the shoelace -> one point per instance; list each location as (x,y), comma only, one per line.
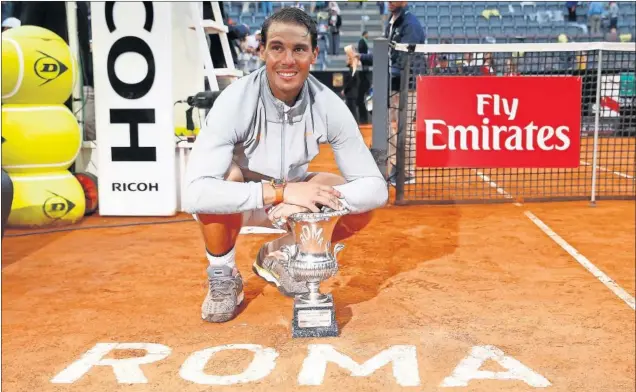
(222,286)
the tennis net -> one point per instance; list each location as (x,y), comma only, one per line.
(607,105)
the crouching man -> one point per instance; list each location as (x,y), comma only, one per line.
(248,165)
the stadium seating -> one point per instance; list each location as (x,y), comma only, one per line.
(472,22)
(482,21)
(508,21)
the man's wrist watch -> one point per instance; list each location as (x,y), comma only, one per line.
(279,188)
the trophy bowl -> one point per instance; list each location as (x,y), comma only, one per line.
(312,260)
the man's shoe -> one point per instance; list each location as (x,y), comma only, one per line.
(274,268)
(225,294)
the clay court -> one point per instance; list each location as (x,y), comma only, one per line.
(443,289)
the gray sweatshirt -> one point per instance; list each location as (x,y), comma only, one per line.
(249,126)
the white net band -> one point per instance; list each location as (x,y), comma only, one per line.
(518,47)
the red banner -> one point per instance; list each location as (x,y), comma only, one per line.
(498,122)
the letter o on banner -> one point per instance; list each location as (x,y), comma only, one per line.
(131,45)
(262,364)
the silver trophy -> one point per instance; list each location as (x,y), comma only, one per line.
(311,260)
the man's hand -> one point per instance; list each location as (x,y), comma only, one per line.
(311,195)
(279,214)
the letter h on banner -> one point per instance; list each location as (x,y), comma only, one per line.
(133,108)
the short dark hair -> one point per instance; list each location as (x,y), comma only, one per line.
(365,32)
(291,15)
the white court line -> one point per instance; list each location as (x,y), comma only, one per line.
(601,168)
(606,280)
(493,184)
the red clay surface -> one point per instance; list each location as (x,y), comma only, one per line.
(443,279)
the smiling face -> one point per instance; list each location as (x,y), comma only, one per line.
(288,56)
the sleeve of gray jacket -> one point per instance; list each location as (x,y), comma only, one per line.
(206,191)
(366,188)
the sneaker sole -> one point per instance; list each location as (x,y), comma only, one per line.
(270,278)
(265,274)
(223,317)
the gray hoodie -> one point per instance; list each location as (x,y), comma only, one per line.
(262,135)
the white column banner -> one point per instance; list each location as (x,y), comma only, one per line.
(132,64)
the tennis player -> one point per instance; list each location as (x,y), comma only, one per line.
(248,165)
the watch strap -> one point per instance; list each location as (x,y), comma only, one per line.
(279,188)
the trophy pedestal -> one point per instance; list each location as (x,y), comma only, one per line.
(314,320)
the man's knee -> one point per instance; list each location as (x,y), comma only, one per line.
(233,174)
(348,225)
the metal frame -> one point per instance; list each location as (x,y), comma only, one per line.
(402,127)
(380,113)
(597,118)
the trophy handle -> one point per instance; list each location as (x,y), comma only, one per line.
(337,249)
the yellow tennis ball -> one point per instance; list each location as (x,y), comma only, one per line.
(39,138)
(46,199)
(37,67)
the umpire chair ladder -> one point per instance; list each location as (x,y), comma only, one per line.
(216,25)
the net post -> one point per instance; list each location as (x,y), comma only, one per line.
(405,75)
(597,116)
(380,113)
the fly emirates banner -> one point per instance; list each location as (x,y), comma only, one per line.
(498,122)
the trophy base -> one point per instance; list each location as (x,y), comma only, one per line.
(314,320)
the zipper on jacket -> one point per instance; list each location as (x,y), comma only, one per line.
(282,149)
